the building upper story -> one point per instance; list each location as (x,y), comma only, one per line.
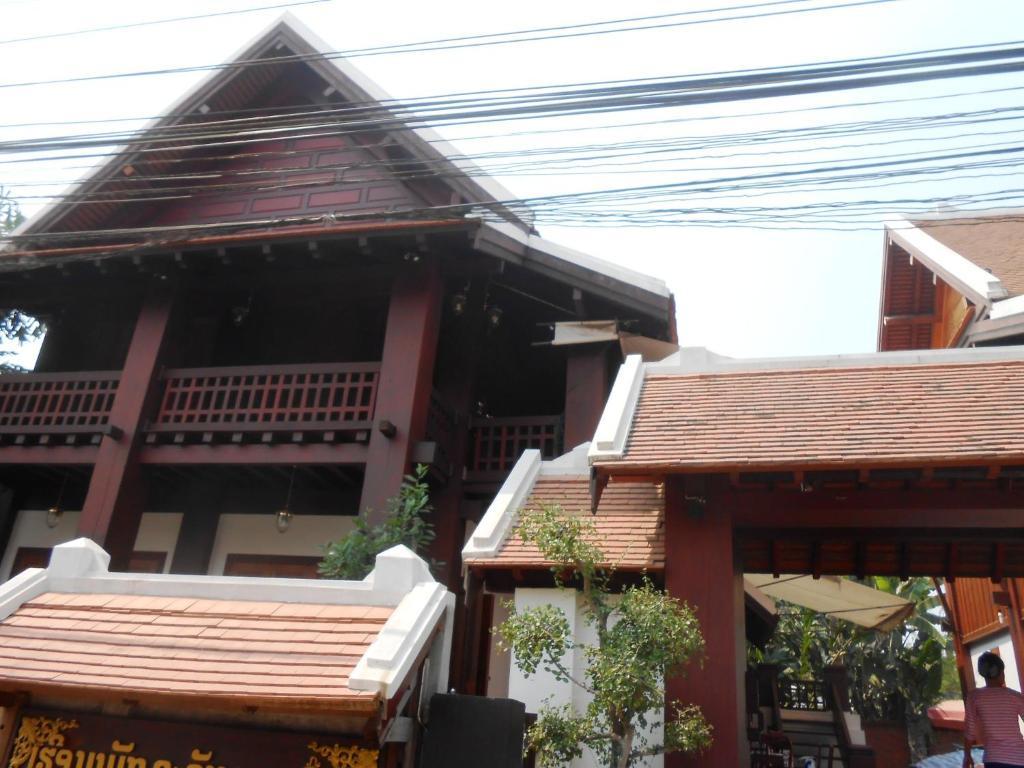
(285,271)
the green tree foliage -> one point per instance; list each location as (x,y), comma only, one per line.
(352,556)
(643,636)
(10,212)
(894,675)
(15,325)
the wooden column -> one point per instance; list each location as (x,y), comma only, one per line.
(403,391)
(116,495)
(701,569)
(586,389)
(1016,624)
(963,659)
(9,507)
(198,529)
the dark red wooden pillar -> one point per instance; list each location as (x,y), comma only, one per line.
(586,388)
(701,569)
(114,502)
(403,391)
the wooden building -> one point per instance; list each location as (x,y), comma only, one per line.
(953,281)
(896,463)
(270,304)
(102,669)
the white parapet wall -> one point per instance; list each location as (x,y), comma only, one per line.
(1004,644)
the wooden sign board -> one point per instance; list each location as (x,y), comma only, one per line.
(52,739)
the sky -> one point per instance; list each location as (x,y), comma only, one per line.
(795,289)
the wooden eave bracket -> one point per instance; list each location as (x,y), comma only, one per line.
(597,485)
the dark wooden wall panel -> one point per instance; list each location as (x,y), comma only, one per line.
(343,176)
(978,612)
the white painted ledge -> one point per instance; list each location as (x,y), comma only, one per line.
(500,516)
(387,662)
(613,428)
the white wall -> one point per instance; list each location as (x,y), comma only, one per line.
(258,535)
(498,661)
(542,687)
(158,532)
(1003,642)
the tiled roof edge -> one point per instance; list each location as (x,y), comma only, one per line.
(497,521)
(698,360)
(617,419)
(978,284)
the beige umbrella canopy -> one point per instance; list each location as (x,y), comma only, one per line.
(836,596)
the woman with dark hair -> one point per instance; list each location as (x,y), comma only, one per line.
(993,718)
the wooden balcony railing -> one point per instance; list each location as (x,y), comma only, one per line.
(806,695)
(319,398)
(496,443)
(42,404)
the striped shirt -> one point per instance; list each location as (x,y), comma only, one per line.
(992,717)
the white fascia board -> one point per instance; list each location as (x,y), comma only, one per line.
(501,515)
(697,360)
(1005,319)
(385,665)
(993,330)
(1007,308)
(977,284)
(617,418)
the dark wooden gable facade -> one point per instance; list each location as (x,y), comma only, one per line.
(242,323)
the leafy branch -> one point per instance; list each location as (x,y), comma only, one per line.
(643,637)
(405,522)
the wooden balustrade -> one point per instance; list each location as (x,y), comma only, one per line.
(805,695)
(43,404)
(318,398)
(496,443)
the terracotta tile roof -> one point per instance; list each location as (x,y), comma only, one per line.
(939,414)
(994,243)
(285,655)
(629,524)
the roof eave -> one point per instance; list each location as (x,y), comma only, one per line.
(631,289)
(977,284)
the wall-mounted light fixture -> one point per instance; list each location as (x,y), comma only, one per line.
(55,513)
(494,313)
(53,516)
(283,518)
(458,303)
(240,312)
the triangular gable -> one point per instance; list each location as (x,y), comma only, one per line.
(355,172)
(930,292)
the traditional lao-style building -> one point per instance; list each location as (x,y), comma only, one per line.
(270,304)
(99,668)
(956,280)
(897,463)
